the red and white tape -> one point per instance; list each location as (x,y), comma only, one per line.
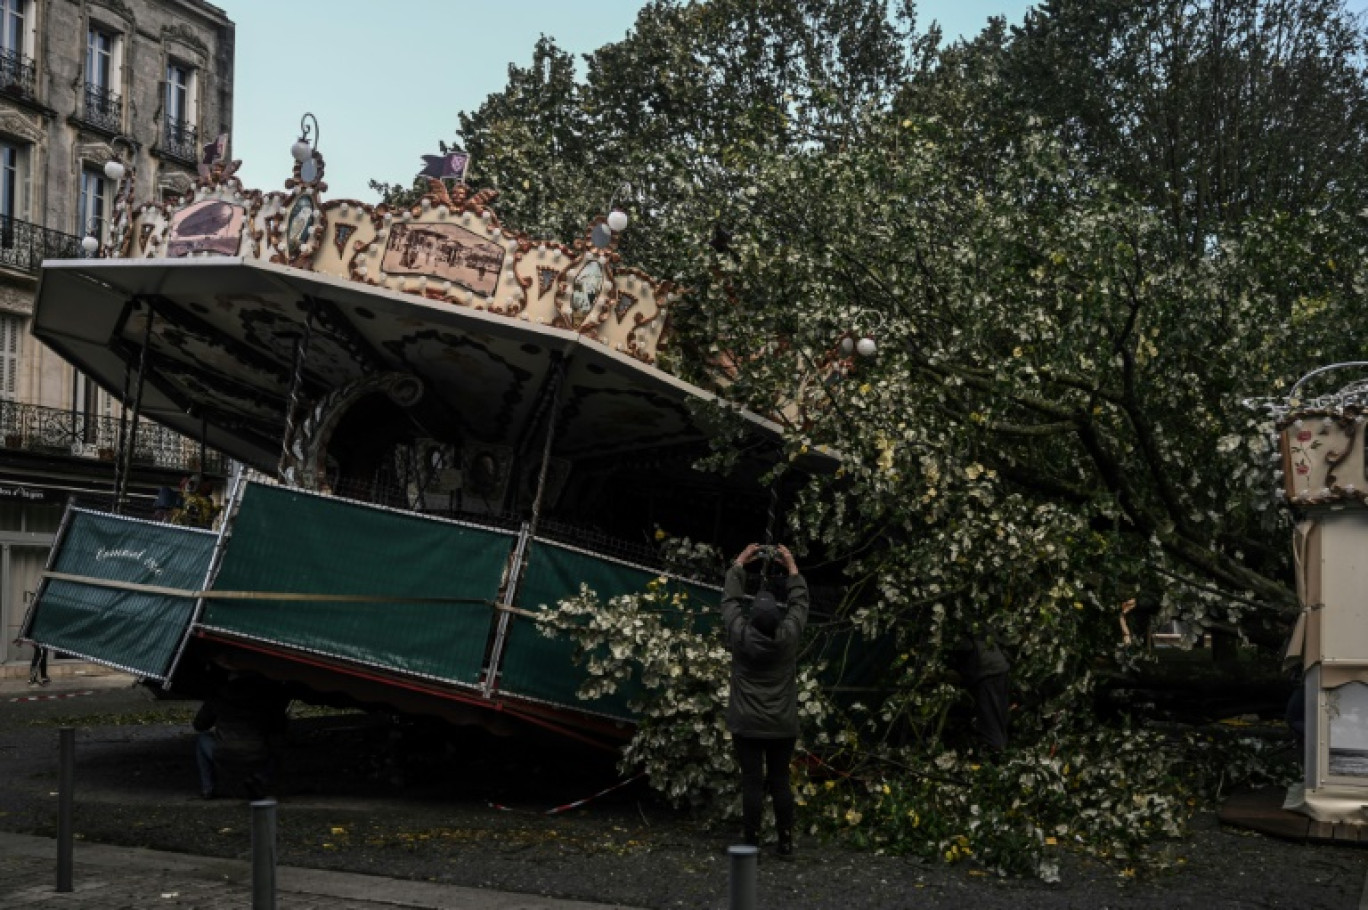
(568,806)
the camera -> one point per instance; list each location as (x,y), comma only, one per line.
(768,552)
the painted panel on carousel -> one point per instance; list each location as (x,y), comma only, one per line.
(210,227)
(449,247)
(1323,460)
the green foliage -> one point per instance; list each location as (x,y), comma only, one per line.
(657,644)
(1117,794)
(1081,244)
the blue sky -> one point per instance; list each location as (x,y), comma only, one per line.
(385,90)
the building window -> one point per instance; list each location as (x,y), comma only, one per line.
(89,405)
(180,111)
(103,106)
(99,59)
(15,233)
(93,204)
(12,27)
(11,335)
(11,180)
(17,72)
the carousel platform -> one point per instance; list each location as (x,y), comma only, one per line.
(1262,811)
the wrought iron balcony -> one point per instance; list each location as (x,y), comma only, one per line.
(179,139)
(17,73)
(24,246)
(103,108)
(55,431)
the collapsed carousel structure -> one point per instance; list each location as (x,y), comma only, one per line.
(444,427)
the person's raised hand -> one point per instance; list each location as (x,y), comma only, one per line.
(748,554)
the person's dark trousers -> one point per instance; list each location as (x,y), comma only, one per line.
(206,744)
(38,665)
(991,706)
(765,769)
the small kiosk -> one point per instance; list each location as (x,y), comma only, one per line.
(1325,485)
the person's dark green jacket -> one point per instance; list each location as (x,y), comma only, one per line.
(764,688)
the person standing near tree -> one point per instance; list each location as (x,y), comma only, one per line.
(38,675)
(763,712)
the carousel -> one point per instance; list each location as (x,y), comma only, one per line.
(442,427)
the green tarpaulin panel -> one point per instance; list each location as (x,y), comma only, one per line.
(544,668)
(134,631)
(290,541)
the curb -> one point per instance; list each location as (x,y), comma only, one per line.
(135,864)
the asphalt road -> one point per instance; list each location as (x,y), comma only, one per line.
(365,796)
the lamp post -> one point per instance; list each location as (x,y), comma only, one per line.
(90,243)
(860,338)
(116,168)
(305,151)
(617,219)
(123,173)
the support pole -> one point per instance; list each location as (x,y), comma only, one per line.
(744,860)
(264,854)
(121,487)
(288,469)
(529,529)
(66,773)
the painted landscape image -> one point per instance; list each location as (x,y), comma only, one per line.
(1349,730)
(210,226)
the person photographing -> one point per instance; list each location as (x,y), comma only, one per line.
(763,712)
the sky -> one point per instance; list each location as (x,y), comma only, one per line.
(386,81)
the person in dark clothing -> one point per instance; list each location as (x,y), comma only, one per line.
(1295,714)
(242,725)
(983,670)
(38,666)
(763,712)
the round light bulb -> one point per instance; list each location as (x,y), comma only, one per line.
(866,347)
(617,220)
(114,169)
(301,151)
(89,244)
(847,346)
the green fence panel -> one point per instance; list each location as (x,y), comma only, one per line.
(131,630)
(289,541)
(544,668)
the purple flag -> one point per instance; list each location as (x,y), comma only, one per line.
(213,152)
(450,165)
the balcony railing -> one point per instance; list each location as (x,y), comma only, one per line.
(55,431)
(17,73)
(24,246)
(103,108)
(180,139)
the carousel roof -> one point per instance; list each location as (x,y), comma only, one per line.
(221,353)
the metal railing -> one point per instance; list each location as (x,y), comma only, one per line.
(24,245)
(180,139)
(103,108)
(17,72)
(55,431)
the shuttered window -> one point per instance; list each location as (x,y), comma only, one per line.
(11,336)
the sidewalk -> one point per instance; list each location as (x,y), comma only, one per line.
(115,878)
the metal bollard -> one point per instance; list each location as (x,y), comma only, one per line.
(66,774)
(264,854)
(744,859)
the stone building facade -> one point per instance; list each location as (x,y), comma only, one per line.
(82,82)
